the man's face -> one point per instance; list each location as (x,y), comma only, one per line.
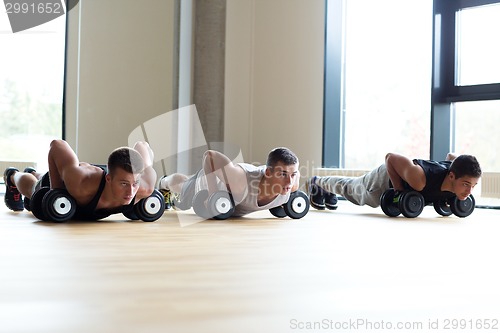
(283,177)
(463,186)
(124,185)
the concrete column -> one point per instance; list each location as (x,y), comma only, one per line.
(209,64)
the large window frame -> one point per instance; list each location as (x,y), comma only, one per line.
(445,91)
(333,107)
(35,56)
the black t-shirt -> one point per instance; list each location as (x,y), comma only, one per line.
(435,173)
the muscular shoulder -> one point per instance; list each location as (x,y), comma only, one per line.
(433,166)
(235,177)
(85,172)
(83,181)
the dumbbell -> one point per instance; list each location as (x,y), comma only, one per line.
(442,208)
(461,208)
(199,204)
(55,205)
(408,203)
(218,205)
(278,211)
(389,207)
(221,205)
(148,209)
(44,182)
(296,207)
(35,203)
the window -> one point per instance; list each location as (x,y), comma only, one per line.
(466,88)
(383,58)
(476,122)
(388,80)
(385,75)
(31,80)
(477,51)
(476,131)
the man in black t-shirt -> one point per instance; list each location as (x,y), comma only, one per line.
(456,176)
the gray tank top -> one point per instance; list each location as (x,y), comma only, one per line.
(249,202)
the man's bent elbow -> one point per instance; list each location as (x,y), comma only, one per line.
(57,143)
(451,157)
(209,154)
(140,144)
(58,146)
(388,157)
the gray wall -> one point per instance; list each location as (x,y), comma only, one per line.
(120,71)
(123,70)
(274,77)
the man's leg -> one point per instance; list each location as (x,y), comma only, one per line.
(172,182)
(42,180)
(181,189)
(17,184)
(364,190)
(170,186)
(319,198)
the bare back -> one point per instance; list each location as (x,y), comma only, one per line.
(80,179)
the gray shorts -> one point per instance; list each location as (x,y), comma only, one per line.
(191,186)
(364,190)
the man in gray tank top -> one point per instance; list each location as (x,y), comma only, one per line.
(252,188)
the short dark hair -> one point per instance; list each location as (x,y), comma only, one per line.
(127,159)
(281,154)
(466,165)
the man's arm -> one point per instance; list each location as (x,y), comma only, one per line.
(217,165)
(67,172)
(401,168)
(61,158)
(148,177)
(451,156)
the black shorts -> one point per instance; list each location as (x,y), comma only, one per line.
(42,182)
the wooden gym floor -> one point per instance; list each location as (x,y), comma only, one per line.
(353,266)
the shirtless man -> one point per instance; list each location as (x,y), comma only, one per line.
(98,192)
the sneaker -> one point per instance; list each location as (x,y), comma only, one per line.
(29,170)
(13,199)
(167,195)
(159,181)
(316,194)
(330,200)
